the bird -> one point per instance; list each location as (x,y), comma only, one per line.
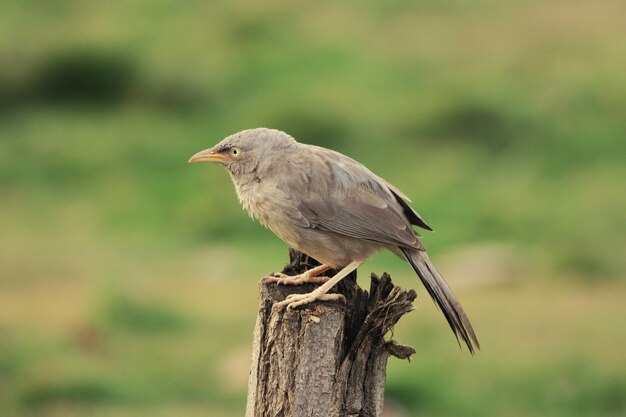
(331,208)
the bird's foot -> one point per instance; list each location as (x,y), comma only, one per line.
(296,300)
(274,277)
(294,280)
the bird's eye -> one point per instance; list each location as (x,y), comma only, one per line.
(235,152)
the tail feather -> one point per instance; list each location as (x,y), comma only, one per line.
(443,296)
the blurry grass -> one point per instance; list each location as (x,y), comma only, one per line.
(78,392)
(128,315)
(127,277)
(568,389)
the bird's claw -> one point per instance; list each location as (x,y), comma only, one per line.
(296,300)
(277,277)
(282,279)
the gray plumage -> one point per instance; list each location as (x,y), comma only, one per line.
(330,207)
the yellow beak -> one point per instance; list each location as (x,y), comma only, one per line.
(207,155)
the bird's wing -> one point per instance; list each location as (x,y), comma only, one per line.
(343,196)
(409,211)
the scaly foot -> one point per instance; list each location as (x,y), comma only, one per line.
(294,280)
(312,276)
(296,300)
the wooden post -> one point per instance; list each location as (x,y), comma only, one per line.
(325,359)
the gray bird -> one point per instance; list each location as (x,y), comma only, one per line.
(331,208)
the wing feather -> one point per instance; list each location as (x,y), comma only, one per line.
(343,196)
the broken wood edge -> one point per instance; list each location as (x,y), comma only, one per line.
(354,369)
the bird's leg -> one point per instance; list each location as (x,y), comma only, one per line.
(320,293)
(312,275)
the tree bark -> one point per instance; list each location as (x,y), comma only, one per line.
(324,359)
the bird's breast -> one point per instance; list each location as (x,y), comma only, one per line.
(271,207)
(259,200)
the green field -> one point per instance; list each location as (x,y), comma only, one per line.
(122,286)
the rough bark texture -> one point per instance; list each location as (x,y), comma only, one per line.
(325,359)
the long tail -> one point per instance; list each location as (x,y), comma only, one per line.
(443,296)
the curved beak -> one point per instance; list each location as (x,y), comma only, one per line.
(207,155)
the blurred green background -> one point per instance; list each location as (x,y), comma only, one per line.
(128,279)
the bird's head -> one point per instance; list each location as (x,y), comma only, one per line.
(246,151)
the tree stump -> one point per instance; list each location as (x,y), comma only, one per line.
(324,359)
